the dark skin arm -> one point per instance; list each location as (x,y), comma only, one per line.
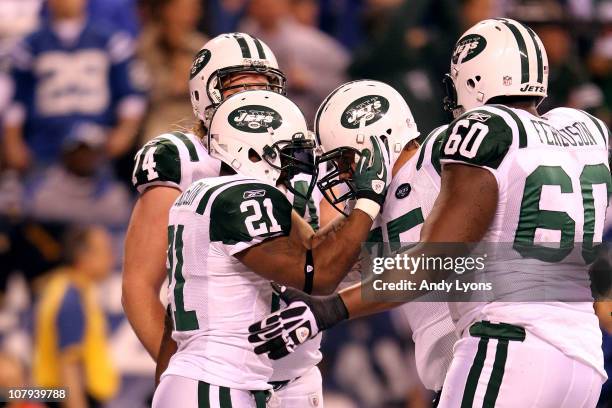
(463,212)
(333,256)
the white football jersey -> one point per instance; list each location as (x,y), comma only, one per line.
(410,198)
(554,184)
(173,159)
(214,297)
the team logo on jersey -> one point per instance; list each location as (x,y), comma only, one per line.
(199,62)
(468,47)
(255,119)
(403,191)
(253,194)
(369,108)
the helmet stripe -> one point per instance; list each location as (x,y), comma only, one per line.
(538,55)
(520,41)
(244,47)
(260,49)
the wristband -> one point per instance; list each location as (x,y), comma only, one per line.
(372,208)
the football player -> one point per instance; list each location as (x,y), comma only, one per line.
(169,163)
(367,107)
(508,175)
(229,236)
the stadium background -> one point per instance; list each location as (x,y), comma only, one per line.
(319,45)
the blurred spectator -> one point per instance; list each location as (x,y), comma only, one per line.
(313,61)
(168,44)
(71,69)
(70,339)
(223,16)
(79,189)
(600,66)
(473,11)
(17,18)
(123,14)
(566,72)
(410,50)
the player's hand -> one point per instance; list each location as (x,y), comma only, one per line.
(281,332)
(372,175)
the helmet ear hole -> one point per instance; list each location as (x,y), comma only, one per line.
(389,132)
(254,156)
(196,95)
(471,83)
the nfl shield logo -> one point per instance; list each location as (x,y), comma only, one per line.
(314,400)
(507,80)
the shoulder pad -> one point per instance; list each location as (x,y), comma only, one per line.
(482,137)
(243,212)
(157,162)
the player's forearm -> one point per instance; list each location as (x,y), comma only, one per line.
(166,350)
(144,267)
(357,307)
(334,257)
(145,313)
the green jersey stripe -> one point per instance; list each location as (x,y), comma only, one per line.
(499,331)
(225,399)
(260,50)
(519,123)
(432,136)
(520,41)
(261,397)
(204,201)
(472,380)
(538,55)
(499,365)
(193,153)
(203,395)
(599,127)
(244,47)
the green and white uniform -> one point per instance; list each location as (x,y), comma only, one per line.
(299,369)
(410,198)
(554,182)
(174,160)
(213,296)
(179,159)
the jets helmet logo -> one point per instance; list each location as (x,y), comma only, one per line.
(468,47)
(367,108)
(199,62)
(255,119)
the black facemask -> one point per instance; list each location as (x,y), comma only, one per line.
(296,157)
